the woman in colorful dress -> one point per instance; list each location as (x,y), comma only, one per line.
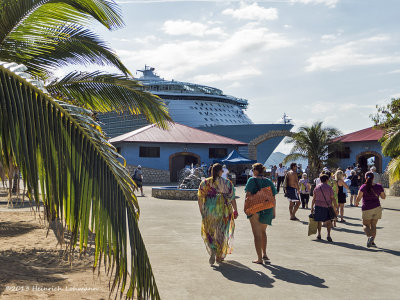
(217,204)
(333,184)
(371,207)
(260,220)
(305,188)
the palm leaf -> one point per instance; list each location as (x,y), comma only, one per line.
(111,92)
(58,147)
(61,45)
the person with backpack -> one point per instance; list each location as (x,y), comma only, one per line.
(138,178)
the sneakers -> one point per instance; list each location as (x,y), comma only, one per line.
(370,241)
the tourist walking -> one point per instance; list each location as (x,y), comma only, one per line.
(138,179)
(377,176)
(273,174)
(292,191)
(261,219)
(280,172)
(370,193)
(217,204)
(354,185)
(323,198)
(339,177)
(305,188)
(332,182)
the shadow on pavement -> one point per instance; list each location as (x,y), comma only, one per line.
(341,229)
(351,218)
(394,209)
(235,271)
(295,276)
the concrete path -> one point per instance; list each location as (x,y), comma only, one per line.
(301,268)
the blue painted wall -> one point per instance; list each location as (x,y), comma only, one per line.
(246,133)
(131,153)
(358,147)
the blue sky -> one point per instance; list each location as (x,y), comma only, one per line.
(327,60)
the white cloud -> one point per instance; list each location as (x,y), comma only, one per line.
(394,71)
(239,74)
(355,53)
(324,107)
(329,3)
(181,57)
(252,12)
(184,27)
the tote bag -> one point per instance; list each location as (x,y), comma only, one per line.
(263,199)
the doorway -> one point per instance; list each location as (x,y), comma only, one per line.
(369,159)
(178,161)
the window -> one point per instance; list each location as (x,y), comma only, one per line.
(217,152)
(149,151)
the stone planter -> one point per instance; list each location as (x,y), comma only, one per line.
(173,193)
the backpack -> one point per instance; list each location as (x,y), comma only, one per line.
(135,175)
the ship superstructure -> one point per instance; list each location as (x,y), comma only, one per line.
(196,105)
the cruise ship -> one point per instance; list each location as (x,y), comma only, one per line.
(202,107)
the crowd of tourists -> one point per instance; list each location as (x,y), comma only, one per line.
(218,208)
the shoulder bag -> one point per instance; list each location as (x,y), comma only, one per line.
(331,210)
(263,199)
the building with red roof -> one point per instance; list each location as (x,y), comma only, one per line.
(362,147)
(165,152)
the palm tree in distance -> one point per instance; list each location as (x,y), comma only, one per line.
(59,148)
(313,143)
(388,119)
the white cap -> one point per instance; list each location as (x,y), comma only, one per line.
(139,166)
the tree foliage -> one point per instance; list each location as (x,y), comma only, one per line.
(388,119)
(313,143)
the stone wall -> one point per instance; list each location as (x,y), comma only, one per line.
(173,193)
(151,175)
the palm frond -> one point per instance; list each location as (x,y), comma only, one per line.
(25,18)
(58,147)
(394,170)
(293,157)
(103,92)
(391,143)
(61,46)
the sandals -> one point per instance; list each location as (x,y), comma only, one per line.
(257,262)
(329,239)
(319,237)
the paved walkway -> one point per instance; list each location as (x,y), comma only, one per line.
(301,267)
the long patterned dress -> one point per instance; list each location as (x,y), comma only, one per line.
(217,212)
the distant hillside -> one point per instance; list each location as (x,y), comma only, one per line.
(277,157)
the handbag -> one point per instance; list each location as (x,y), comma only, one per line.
(331,210)
(312,225)
(263,199)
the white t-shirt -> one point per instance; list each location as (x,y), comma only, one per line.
(280,171)
(348,173)
(225,173)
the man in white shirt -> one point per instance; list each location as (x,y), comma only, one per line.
(280,172)
(348,172)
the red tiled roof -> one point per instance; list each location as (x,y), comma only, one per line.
(368,134)
(176,133)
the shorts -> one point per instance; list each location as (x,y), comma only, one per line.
(291,194)
(265,216)
(372,214)
(139,183)
(353,190)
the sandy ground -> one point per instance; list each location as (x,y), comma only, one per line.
(34,267)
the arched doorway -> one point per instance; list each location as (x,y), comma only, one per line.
(368,158)
(252,146)
(178,161)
